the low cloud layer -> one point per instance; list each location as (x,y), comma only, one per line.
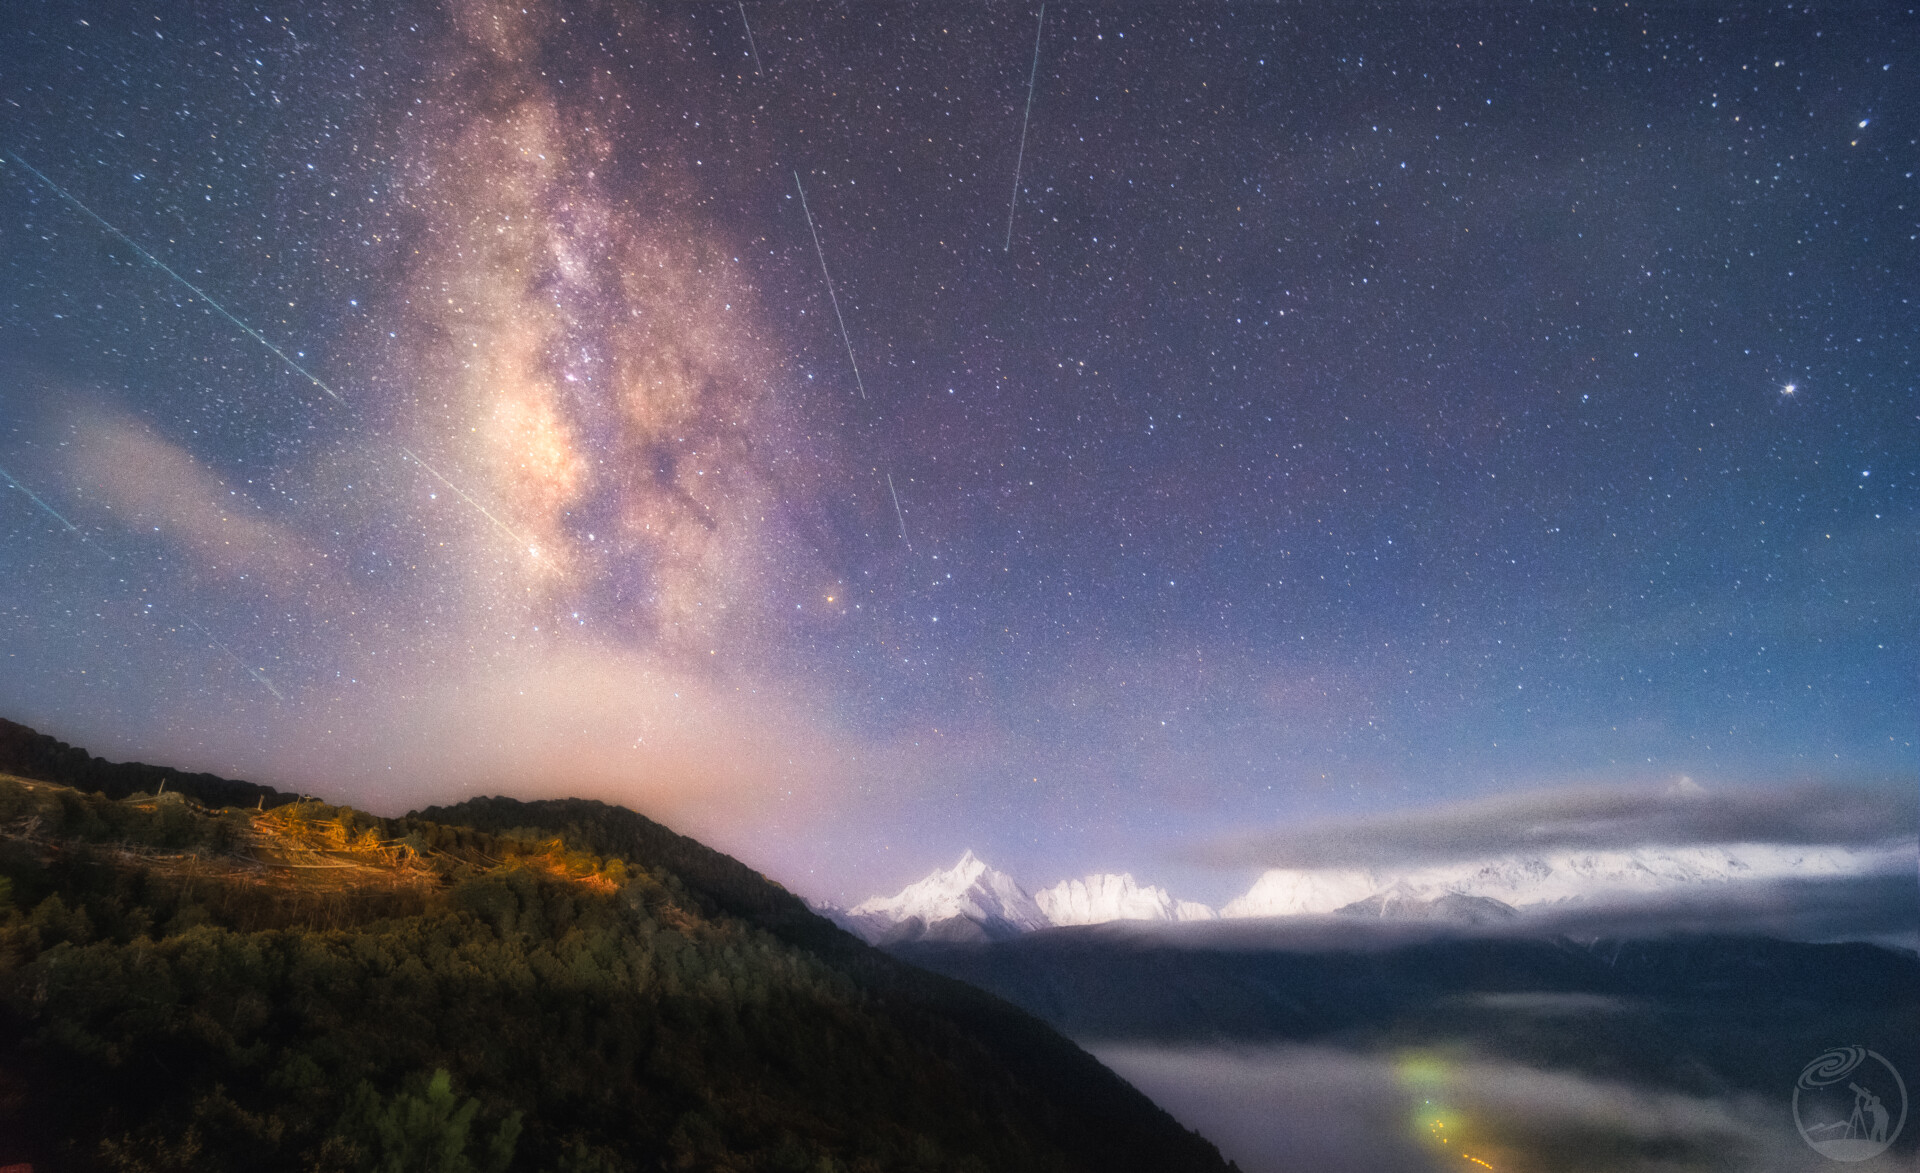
(1583,819)
(144,483)
(1296,1107)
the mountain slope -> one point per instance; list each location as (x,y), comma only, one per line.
(1076,1085)
(571,984)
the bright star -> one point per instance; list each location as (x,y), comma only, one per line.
(1788,389)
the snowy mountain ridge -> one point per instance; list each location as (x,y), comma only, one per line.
(1556,877)
(1100,898)
(972,901)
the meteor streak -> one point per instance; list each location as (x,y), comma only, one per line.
(1020,158)
(161,265)
(750,44)
(249,669)
(821,253)
(31,496)
(899,516)
(462,494)
(263,340)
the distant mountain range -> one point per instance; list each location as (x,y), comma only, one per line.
(972,901)
(1521,881)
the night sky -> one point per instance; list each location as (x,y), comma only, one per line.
(1350,410)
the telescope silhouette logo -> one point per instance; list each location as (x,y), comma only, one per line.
(1850,1104)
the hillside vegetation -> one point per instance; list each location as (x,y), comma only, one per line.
(500,986)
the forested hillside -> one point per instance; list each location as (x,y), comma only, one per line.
(502,986)
(28,753)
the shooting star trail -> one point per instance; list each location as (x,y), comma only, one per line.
(822,254)
(899,516)
(161,265)
(249,669)
(462,494)
(33,497)
(268,343)
(1032,75)
(750,44)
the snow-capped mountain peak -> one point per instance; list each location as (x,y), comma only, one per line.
(969,890)
(1299,892)
(972,901)
(1104,897)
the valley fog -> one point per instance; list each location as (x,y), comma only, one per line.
(1275,1109)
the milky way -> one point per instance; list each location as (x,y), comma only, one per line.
(1350,411)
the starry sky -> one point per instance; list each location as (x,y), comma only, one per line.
(1344,410)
